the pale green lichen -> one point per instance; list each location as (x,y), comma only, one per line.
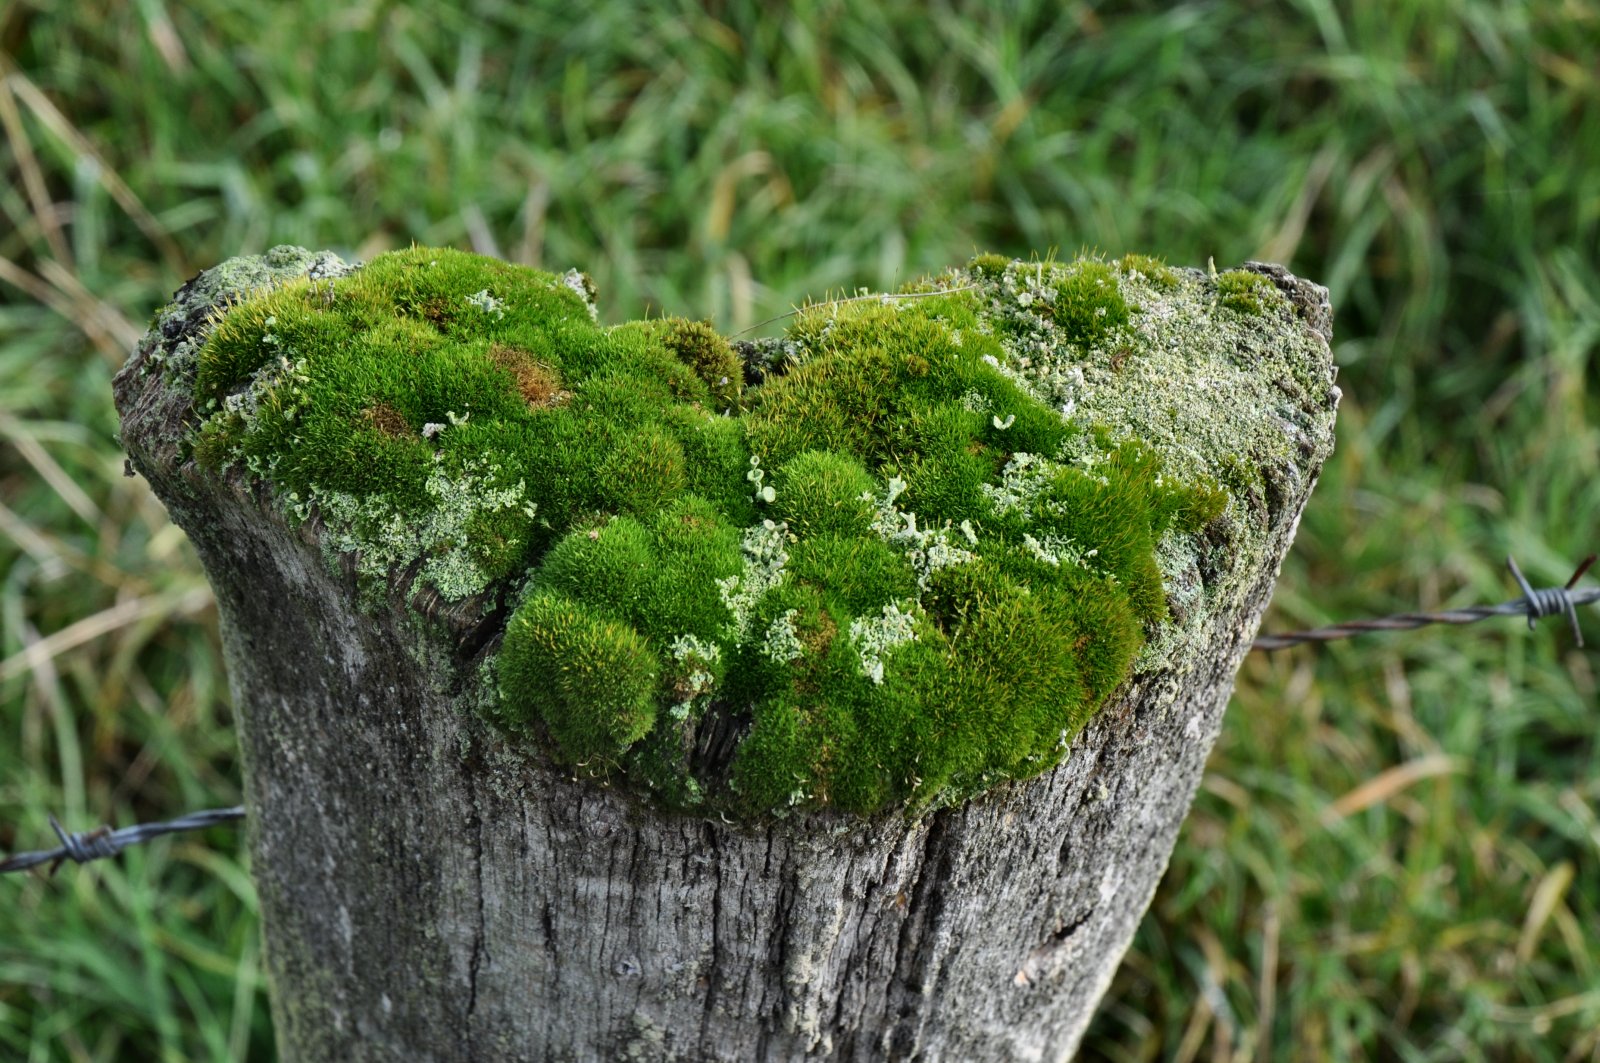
(381,536)
(486,302)
(875,636)
(928,549)
(1220,397)
(696,681)
(180,323)
(762,493)
(1060,550)
(781,644)
(1023,480)
(764,558)
(580,285)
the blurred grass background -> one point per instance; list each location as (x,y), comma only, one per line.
(1396,852)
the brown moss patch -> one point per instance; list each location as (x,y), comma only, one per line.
(538,383)
(436,310)
(388,420)
(818,635)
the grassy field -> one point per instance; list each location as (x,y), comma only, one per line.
(1396,853)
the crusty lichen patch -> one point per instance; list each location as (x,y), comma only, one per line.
(899,555)
(1215,373)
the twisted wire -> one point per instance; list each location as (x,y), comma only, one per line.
(1535,604)
(103,842)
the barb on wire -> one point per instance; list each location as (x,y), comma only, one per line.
(103,842)
(1534,604)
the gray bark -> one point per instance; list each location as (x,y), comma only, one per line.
(429,893)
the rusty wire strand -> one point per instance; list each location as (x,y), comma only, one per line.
(103,842)
(1534,604)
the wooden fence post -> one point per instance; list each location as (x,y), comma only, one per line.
(433,890)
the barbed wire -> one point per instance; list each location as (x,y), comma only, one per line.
(1534,604)
(103,842)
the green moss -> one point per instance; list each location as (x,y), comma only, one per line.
(589,679)
(911,563)
(989,265)
(607,566)
(1088,305)
(1247,292)
(860,573)
(824,491)
(700,347)
(1153,270)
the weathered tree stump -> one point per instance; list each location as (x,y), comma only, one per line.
(433,887)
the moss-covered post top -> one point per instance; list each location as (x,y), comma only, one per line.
(893,557)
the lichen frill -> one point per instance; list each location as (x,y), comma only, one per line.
(898,555)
